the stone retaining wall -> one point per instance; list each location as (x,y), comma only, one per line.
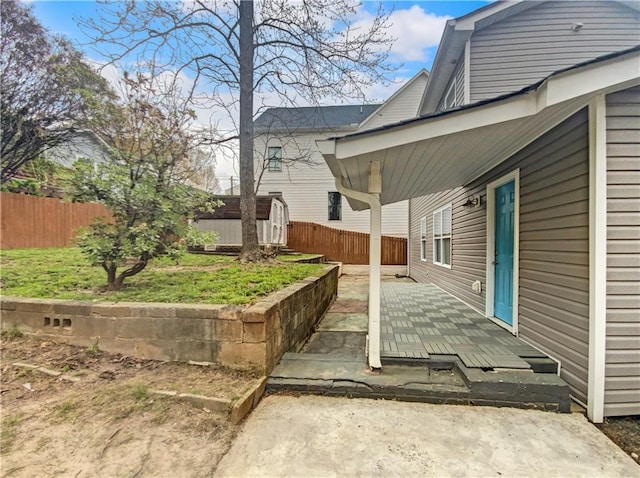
(254,336)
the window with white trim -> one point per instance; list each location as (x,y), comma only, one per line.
(442,236)
(423,239)
(450,98)
(274,159)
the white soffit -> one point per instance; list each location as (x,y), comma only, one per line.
(445,151)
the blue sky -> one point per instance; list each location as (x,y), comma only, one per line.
(417,27)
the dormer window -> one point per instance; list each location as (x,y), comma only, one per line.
(450,98)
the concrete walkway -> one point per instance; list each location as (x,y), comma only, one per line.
(320,436)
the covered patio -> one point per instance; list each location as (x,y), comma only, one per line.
(423,322)
(445,352)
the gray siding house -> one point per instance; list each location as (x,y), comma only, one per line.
(523,175)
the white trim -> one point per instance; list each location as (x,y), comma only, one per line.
(433,233)
(375,295)
(423,233)
(452,89)
(468,21)
(467,72)
(375,259)
(575,84)
(597,257)
(409,238)
(491,244)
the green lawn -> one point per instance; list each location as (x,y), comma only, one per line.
(194,278)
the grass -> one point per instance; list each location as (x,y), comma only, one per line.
(93,349)
(63,273)
(12,332)
(141,392)
(8,432)
(296,257)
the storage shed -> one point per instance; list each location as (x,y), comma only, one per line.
(271,216)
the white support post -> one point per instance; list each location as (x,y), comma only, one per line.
(375,256)
(597,257)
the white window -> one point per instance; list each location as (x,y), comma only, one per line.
(450,99)
(423,239)
(442,236)
(274,158)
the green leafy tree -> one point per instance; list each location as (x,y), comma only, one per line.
(304,50)
(46,88)
(150,136)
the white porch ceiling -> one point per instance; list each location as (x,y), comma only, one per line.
(436,153)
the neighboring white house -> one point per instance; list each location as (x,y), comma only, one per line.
(289,163)
(80,144)
(523,175)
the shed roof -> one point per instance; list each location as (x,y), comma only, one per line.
(231,208)
(314,117)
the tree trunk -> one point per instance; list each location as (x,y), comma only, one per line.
(250,245)
(110,269)
(115,282)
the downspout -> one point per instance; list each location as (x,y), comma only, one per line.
(375,255)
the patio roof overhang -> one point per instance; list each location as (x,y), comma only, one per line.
(446,150)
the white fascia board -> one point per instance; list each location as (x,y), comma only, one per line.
(468,22)
(326,146)
(597,78)
(450,123)
(592,78)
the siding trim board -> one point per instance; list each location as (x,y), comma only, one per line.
(491,245)
(597,257)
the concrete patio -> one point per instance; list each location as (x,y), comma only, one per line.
(434,349)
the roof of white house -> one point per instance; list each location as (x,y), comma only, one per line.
(313,118)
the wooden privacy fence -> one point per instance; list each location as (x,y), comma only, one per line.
(343,246)
(33,221)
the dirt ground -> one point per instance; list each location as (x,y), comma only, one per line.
(624,432)
(109,423)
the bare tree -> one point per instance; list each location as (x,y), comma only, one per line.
(310,49)
(46,88)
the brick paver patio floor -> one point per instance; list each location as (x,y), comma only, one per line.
(420,319)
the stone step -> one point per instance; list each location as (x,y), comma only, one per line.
(439,382)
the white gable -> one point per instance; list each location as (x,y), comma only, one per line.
(402,105)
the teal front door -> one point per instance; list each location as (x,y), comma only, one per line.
(503,287)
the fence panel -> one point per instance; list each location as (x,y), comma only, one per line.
(344,246)
(33,221)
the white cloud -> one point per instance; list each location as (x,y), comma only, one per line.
(414,29)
